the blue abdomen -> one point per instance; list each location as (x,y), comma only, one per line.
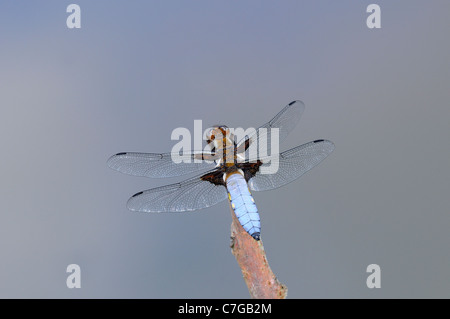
(243,205)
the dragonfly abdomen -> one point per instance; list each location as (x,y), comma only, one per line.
(243,204)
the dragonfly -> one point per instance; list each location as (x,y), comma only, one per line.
(228,170)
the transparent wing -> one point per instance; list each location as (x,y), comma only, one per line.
(284,121)
(291,165)
(159,165)
(191,194)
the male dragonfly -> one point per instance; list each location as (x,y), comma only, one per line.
(233,179)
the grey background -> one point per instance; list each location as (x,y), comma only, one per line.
(136,70)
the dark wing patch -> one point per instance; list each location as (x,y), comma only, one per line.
(249,169)
(214,177)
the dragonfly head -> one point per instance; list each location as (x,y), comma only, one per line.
(217,132)
(220,136)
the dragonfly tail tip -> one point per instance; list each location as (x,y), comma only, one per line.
(256,235)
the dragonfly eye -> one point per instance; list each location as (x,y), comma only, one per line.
(210,135)
(216,132)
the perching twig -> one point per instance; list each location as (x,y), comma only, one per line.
(250,255)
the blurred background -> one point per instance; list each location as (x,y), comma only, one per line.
(70,98)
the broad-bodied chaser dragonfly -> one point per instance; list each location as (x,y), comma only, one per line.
(233,179)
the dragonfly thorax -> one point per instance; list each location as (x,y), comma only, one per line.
(222,143)
(220,136)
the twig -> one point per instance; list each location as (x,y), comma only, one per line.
(250,255)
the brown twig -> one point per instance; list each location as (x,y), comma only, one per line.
(250,255)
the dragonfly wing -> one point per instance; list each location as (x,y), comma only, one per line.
(291,165)
(188,195)
(159,165)
(284,121)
